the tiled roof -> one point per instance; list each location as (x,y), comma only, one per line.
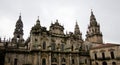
(105,45)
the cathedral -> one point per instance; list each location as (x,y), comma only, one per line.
(53,46)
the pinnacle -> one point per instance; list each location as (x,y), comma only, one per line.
(20,16)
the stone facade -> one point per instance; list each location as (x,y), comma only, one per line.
(105,54)
(53,46)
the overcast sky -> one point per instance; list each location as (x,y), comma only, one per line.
(107,13)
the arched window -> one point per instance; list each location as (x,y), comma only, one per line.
(85,61)
(53,46)
(44,45)
(104,63)
(63,60)
(95,56)
(18,36)
(96,63)
(72,48)
(43,62)
(113,63)
(103,55)
(112,54)
(15,61)
(36,40)
(73,62)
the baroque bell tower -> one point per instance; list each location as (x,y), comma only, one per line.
(94,34)
(18,32)
(77,33)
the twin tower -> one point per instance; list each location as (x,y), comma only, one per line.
(93,33)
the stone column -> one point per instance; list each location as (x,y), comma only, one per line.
(70,60)
(35,59)
(77,59)
(39,58)
(49,57)
(59,59)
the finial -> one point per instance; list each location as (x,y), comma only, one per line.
(91,11)
(76,22)
(56,20)
(20,15)
(38,17)
(38,21)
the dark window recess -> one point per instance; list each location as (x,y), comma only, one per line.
(15,61)
(96,63)
(95,56)
(44,45)
(113,63)
(43,62)
(35,40)
(72,48)
(85,61)
(63,60)
(112,55)
(104,63)
(18,36)
(103,56)
(73,62)
(2,58)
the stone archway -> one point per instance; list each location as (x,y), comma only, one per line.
(113,63)
(104,63)
(96,63)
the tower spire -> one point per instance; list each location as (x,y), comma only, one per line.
(93,21)
(77,32)
(18,32)
(94,34)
